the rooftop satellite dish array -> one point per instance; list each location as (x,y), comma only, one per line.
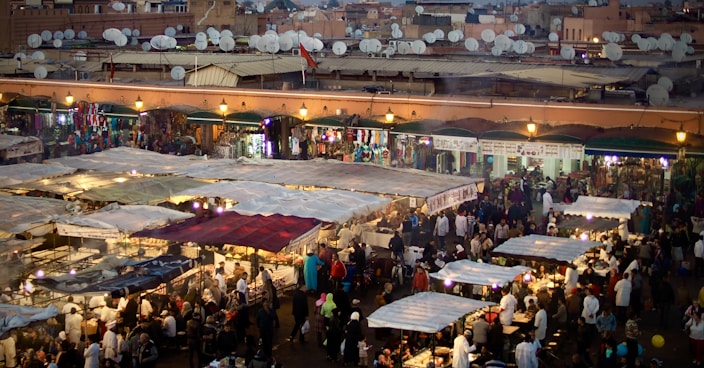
(502,43)
(272,42)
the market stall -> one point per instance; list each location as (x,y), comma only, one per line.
(15,316)
(20,173)
(543,248)
(29,215)
(70,185)
(475,273)
(143,190)
(427,312)
(604,207)
(14,147)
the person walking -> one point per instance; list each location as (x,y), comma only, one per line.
(148,354)
(623,290)
(299,310)
(353,335)
(695,329)
(193,339)
(590,308)
(632,334)
(91,354)
(442,227)
(265,323)
(461,350)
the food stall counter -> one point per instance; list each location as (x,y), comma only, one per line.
(421,359)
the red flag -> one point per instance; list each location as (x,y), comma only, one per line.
(112,69)
(306,55)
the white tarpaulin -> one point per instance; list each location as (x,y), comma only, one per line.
(545,248)
(603,207)
(13,146)
(124,160)
(73,184)
(266,199)
(19,214)
(111,220)
(331,174)
(19,173)
(470,272)
(424,312)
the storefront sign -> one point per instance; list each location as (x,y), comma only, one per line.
(452,197)
(533,149)
(86,232)
(462,144)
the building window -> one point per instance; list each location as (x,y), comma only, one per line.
(580,34)
(567,33)
(180,8)
(573,33)
(227,3)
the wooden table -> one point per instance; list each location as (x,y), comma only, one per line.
(510,330)
(521,318)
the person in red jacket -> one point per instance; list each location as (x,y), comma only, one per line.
(338,272)
(420,280)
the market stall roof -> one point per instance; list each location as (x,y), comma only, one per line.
(545,248)
(7,141)
(332,174)
(19,173)
(19,214)
(145,190)
(603,207)
(125,160)
(10,245)
(424,312)
(266,199)
(475,273)
(112,220)
(140,276)
(271,233)
(587,223)
(70,185)
(15,316)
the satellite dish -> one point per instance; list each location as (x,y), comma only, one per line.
(261,44)
(553,37)
(556,21)
(69,34)
(348,30)
(211,30)
(496,51)
(488,35)
(453,36)
(136,32)
(160,42)
(319,46)
(390,51)
(34,41)
(471,44)
(606,36)
(396,33)
(201,45)
(272,46)
(418,47)
(40,72)
(679,49)
(666,83)
(364,45)
(686,37)
(509,33)
(395,26)
(178,73)
(271,32)
(285,42)
(170,31)
(690,50)
(635,38)
(179,27)
(254,39)
(593,3)
(665,43)
(82,35)
(503,42)
(657,95)
(260,8)
(419,9)
(46,35)
(575,10)
(339,48)
(666,35)
(531,47)
(678,56)
(227,44)
(520,47)
(127,32)
(429,38)
(374,46)
(215,40)
(201,36)
(471,10)
(567,52)
(520,28)
(37,55)
(439,34)
(80,56)
(358,33)
(58,44)
(146,46)
(19,55)
(317,35)
(134,41)
(118,6)
(58,35)
(613,51)
(653,43)
(226,33)
(301,16)
(513,18)
(111,34)
(643,44)
(403,48)
(121,41)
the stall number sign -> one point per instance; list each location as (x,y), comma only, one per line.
(461,144)
(532,149)
(451,198)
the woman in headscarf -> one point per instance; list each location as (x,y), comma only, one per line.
(353,335)
(311,265)
(334,335)
(319,319)
(327,309)
(186,311)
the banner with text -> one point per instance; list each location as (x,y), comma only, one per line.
(532,149)
(86,232)
(462,144)
(452,197)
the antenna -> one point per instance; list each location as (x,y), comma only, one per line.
(635,38)
(509,33)
(567,52)
(503,42)
(318,45)
(419,9)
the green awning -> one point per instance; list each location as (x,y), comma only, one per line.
(119,111)
(418,127)
(455,132)
(32,105)
(251,117)
(559,138)
(205,118)
(629,144)
(339,121)
(504,135)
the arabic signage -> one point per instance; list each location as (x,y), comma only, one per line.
(451,198)
(462,144)
(86,232)
(533,149)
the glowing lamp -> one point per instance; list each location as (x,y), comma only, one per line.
(389,116)
(589,216)
(531,128)
(595,39)
(196,205)
(494,286)
(447,283)
(72,272)
(681,136)
(219,210)
(69,98)
(527,277)
(139,103)
(223,106)
(40,274)
(584,237)
(133,172)
(303,110)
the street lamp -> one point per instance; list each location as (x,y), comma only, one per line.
(69,98)
(303,111)
(389,116)
(139,103)
(223,107)
(681,136)
(532,128)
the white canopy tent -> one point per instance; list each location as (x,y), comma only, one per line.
(545,248)
(112,220)
(125,160)
(603,207)
(19,214)
(73,184)
(424,312)
(20,173)
(261,198)
(475,273)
